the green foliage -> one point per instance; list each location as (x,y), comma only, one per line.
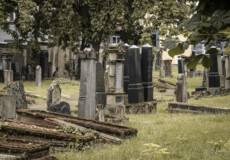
(146,38)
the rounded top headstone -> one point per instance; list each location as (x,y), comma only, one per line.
(126,45)
(134,47)
(147,46)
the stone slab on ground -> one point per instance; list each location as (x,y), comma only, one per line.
(192,108)
(144,107)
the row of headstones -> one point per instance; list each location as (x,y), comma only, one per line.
(138,74)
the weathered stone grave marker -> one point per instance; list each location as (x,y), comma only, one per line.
(227,70)
(17,89)
(38,76)
(53,94)
(168,67)
(8,73)
(7,107)
(126,69)
(87,97)
(146,71)
(181,89)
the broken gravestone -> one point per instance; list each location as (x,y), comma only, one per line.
(60,107)
(17,89)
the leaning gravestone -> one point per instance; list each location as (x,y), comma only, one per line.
(17,89)
(7,107)
(146,70)
(87,97)
(135,88)
(38,76)
(53,94)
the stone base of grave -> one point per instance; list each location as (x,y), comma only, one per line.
(144,107)
(114,114)
(214,91)
(191,108)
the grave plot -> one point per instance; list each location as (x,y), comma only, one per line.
(191,108)
(22,148)
(38,117)
(55,136)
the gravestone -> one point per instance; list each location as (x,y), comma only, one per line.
(192,72)
(100,85)
(181,89)
(135,88)
(38,76)
(220,70)
(205,77)
(17,89)
(227,69)
(87,97)
(168,67)
(8,77)
(29,72)
(158,59)
(71,67)
(115,96)
(161,65)
(181,66)
(60,107)
(126,69)
(7,107)
(1,72)
(146,70)
(44,63)
(214,78)
(53,94)
(16,71)
(7,71)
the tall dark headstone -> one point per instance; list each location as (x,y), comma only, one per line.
(100,85)
(44,64)
(1,72)
(146,71)
(126,69)
(30,73)
(181,66)
(214,78)
(135,88)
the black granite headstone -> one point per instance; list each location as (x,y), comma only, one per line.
(44,64)
(223,66)
(100,84)
(181,66)
(126,69)
(146,71)
(1,72)
(135,88)
(214,78)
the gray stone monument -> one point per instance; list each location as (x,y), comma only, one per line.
(53,94)
(205,77)
(135,89)
(7,71)
(100,85)
(115,96)
(168,67)
(87,97)
(38,76)
(227,70)
(181,89)
(17,89)
(146,71)
(220,70)
(7,107)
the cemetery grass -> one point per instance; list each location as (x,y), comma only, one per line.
(163,135)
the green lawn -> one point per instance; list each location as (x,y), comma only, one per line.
(162,135)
